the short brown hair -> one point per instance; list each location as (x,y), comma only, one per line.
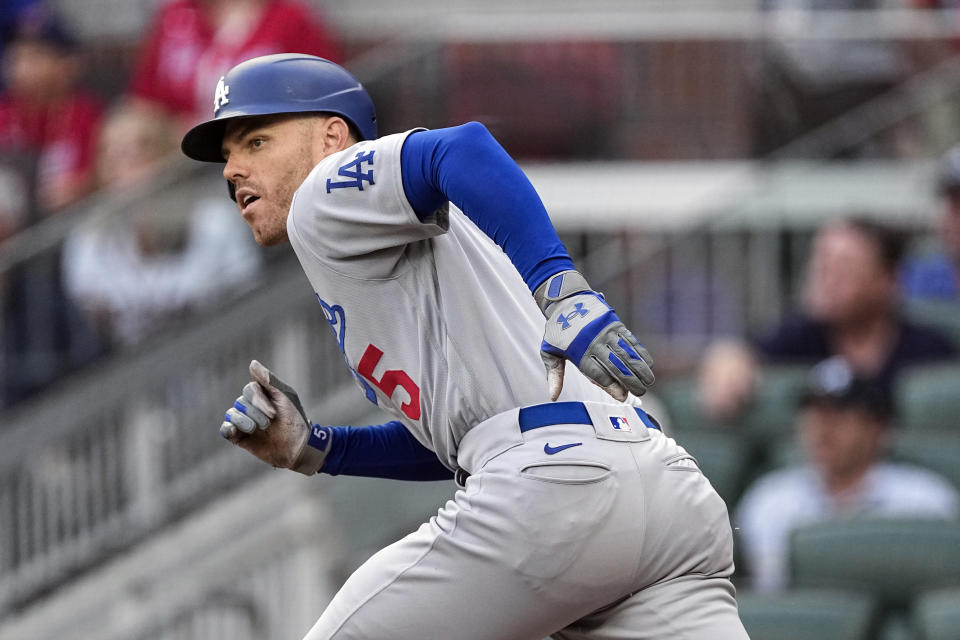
(890,242)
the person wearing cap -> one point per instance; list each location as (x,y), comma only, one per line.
(934,274)
(43,113)
(843,426)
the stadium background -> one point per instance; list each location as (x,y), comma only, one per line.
(124,516)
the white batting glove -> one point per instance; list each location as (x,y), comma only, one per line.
(268,420)
(583,328)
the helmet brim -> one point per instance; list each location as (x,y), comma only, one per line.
(204,142)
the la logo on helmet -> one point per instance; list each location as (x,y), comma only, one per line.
(220,95)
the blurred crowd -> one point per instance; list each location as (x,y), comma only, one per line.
(66,150)
(868,428)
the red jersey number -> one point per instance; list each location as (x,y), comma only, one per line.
(390,381)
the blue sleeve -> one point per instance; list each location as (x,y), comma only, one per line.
(382,451)
(467,166)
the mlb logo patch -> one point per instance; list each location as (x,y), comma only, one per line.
(620,423)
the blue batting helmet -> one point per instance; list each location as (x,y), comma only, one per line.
(281,83)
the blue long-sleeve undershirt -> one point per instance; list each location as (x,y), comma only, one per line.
(468,167)
(382,451)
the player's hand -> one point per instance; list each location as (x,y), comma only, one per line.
(268,420)
(583,328)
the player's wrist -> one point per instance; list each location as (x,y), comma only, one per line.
(313,453)
(558,287)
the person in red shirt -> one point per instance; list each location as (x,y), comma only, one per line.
(191,43)
(44,116)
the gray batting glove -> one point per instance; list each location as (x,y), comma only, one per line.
(268,420)
(583,328)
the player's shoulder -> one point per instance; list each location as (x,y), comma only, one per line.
(357,165)
(350,195)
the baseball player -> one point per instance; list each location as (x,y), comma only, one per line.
(448,290)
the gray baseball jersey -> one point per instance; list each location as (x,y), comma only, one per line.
(432,317)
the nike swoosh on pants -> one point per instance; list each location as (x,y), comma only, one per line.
(547,449)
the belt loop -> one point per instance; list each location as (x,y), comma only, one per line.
(460,477)
(648,419)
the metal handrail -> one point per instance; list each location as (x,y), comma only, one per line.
(916,94)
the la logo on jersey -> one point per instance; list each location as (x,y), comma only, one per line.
(620,423)
(220,96)
(354,173)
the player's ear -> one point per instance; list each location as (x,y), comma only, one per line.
(336,135)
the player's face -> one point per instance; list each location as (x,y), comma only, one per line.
(267,160)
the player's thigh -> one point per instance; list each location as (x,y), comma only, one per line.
(517,555)
(691,607)
(434,596)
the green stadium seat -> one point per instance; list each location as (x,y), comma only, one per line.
(723,456)
(892,559)
(944,314)
(808,614)
(679,396)
(936,615)
(896,625)
(783,452)
(938,451)
(771,413)
(928,397)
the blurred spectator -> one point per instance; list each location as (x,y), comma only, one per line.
(158,262)
(935,274)
(191,43)
(850,308)
(805,82)
(10,11)
(16,193)
(44,116)
(842,428)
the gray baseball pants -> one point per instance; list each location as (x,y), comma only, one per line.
(574,531)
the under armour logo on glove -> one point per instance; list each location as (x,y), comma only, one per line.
(564,321)
(598,342)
